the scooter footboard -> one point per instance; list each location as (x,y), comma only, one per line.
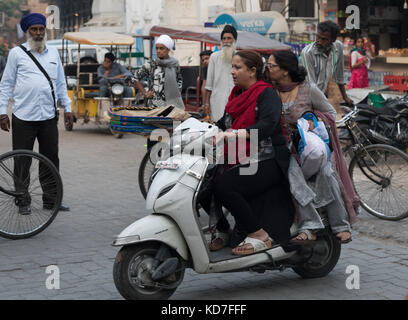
(154,228)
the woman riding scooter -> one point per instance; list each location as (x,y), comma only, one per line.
(253,105)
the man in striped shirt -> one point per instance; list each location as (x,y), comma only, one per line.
(324,59)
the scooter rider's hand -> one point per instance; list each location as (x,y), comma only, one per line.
(4,122)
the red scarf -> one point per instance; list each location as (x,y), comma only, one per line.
(241,107)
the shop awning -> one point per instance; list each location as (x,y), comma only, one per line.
(100,38)
(246,40)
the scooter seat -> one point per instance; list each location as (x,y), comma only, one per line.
(371,110)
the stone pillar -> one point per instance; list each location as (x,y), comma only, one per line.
(107,15)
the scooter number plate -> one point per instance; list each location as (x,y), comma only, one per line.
(165,165)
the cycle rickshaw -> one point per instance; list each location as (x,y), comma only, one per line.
(86,103)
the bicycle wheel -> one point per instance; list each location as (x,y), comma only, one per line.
(27,180)
(380,177)
(146,170)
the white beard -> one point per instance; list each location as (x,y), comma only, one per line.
(38,46)
(228,52)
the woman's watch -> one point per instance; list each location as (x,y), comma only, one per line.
(235,131)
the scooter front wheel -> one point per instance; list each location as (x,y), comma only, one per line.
(132,274)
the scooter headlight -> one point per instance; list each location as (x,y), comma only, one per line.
(179,140)
(117,89)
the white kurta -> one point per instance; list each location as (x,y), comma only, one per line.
(220,83)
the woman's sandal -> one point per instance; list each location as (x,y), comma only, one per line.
(345,240)
(309,237)
(220,241)
(257,246)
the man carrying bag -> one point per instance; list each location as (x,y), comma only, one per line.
(34,78)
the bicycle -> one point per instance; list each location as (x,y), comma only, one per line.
(27,180)
(146,170)
(379,172)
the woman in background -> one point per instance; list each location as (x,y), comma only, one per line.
(359,63)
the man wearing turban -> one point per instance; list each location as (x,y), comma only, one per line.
(219,79)
(34,111)
(165,89)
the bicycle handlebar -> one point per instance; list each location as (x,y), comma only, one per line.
(347,116)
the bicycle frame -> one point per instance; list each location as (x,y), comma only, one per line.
(8,192)
(358,149)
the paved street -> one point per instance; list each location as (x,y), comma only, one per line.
(100,186)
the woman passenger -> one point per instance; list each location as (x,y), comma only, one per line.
(253,104)
(297,98)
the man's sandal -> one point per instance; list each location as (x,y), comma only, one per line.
(305,237)
(220,241)
(257,246)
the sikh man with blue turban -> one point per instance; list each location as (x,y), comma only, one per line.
(34,111)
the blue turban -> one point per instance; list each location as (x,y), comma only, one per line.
(32,19)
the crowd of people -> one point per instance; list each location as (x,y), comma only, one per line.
(240,92)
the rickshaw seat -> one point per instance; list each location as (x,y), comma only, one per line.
(88,79)
(190,80)
(91,95)
(88,73)
(189,75)
(71,69)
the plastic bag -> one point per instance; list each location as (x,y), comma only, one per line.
(313,151)
(321,131)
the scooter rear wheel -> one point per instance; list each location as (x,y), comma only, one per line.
(131,274)
(323,259)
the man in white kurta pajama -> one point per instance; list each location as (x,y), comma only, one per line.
(219,78)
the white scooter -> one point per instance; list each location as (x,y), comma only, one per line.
(156,249)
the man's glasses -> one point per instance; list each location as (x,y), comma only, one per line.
(271,65)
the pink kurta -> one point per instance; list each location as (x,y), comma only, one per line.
(359,76)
